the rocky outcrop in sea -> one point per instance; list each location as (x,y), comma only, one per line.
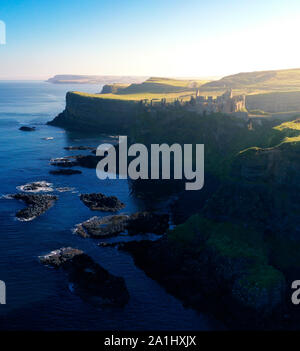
(27,129)
(37,204)
(101,202)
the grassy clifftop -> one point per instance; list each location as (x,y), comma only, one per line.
(258,82)
(138,96)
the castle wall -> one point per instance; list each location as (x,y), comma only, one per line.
(226,103)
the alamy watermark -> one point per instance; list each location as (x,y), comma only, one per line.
(185,166)
(2,293)
(296,294)
(2,33)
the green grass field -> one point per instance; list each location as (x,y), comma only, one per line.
(154,89)
(140,96)
(258,82)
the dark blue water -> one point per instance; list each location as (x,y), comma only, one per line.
(39,297)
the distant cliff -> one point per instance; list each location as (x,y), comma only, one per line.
(86,79)
(95,114)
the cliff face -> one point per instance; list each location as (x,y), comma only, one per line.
(222,265)
(264,186)
(273,166)
(95,114)
(274,102)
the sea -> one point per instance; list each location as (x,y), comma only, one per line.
(41,298)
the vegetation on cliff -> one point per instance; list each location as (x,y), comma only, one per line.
(224,264)
(248,264)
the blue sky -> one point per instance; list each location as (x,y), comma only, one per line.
(185,38)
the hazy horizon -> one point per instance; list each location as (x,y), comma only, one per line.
(22,78)
(45,78)
(169,38)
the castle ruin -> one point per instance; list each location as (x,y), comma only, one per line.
(226,103)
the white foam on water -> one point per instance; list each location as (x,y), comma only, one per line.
(40,186)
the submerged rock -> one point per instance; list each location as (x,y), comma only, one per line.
(27,129)
(105,244)
(79,148)
(37,205)
(65,189)
(67,161)
(88,276)
(137,223)
(65,172)
(100,202)
(87,161)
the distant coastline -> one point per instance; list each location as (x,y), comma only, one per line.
(90,79)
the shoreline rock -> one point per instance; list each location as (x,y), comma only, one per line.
(148,222)
(58,257)
(105,227)
(89,277)
(137,223)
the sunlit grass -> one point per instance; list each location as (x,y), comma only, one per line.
(259,82)
(140,96)
(154,88)
(295,125)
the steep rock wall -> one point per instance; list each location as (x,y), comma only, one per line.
(92,113)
